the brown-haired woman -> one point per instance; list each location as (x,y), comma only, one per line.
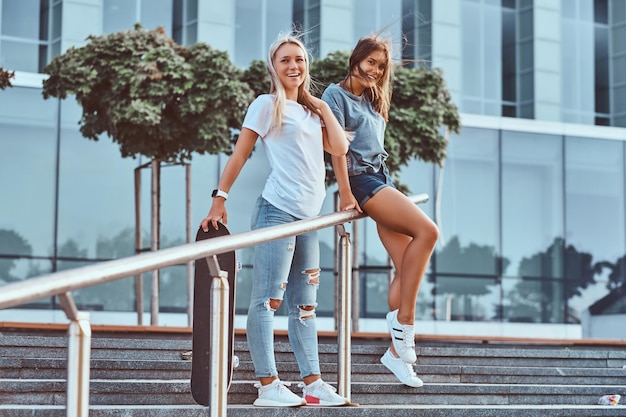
(361,102)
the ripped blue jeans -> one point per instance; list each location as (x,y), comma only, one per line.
(283,270)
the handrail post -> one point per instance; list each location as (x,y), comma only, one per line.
(78,358)
(344,341)
(219,339)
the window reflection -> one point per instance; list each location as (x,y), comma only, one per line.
(533,300)
(532,204)
(469,225)
(466,298)
(594,192)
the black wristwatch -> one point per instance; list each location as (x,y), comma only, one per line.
(219,193)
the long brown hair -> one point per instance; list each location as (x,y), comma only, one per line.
(380,94)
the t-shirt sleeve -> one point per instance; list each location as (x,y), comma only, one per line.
(259,115)
(336,105)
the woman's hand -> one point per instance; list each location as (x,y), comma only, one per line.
(216,213)
(348,202)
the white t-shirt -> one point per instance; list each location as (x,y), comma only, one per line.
(296,156)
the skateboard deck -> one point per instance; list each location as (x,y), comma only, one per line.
(201,336)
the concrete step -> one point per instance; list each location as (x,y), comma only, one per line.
(360,411)
(146,376)
(157,392)
(55,368)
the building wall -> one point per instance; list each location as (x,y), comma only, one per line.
(531,208)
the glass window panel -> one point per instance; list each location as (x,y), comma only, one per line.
(119,15)
(595,209)
(173,289)
(374,287)
(533,301)
(96,195)
(19,269)
(527,111)
(527,59)
(157,13)
(192,9)
(527,85)
(618,12)
(619,64)
(28,142)
(601,11)
(619,101)
(466,299)
(19,56)
(469,210)
(619,39)
(20,18)
(372,15)
(118,295)
(248,48)
(492,59)
(526,24)
(192,33)
(279,13)
(57,15)
(425,305)
(532,204)
(472,63)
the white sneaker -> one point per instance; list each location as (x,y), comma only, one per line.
(276,394)
(402,370)
(319,393)
(403,337)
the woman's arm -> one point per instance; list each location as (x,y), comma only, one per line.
(333,136)
(243,149)
(346,198)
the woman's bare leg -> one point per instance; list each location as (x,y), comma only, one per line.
(409,236)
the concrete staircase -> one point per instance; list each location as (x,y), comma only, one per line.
(141,375)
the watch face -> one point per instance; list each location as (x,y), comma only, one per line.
(214,193)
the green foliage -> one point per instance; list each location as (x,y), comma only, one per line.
(257,78)
(151,96)
(421,111)
(5,78)
(420,107)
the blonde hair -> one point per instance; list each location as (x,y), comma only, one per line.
(277,88)
(380,94)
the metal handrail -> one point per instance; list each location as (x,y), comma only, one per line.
(52,284)
(63,282)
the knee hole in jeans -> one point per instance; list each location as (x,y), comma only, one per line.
(272,304)
(314,275)
(306,312)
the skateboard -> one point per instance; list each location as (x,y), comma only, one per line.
(201,336)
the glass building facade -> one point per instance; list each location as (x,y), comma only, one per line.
(530,201)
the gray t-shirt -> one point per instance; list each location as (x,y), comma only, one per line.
(356,115)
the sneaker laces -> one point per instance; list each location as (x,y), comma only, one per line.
(409,370)
(280,385)
(408,335)
(323,386)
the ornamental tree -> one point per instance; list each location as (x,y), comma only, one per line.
(154,98)
(150,95)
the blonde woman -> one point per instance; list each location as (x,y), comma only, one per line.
(295,128)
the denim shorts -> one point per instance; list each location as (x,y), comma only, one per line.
(366,184)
